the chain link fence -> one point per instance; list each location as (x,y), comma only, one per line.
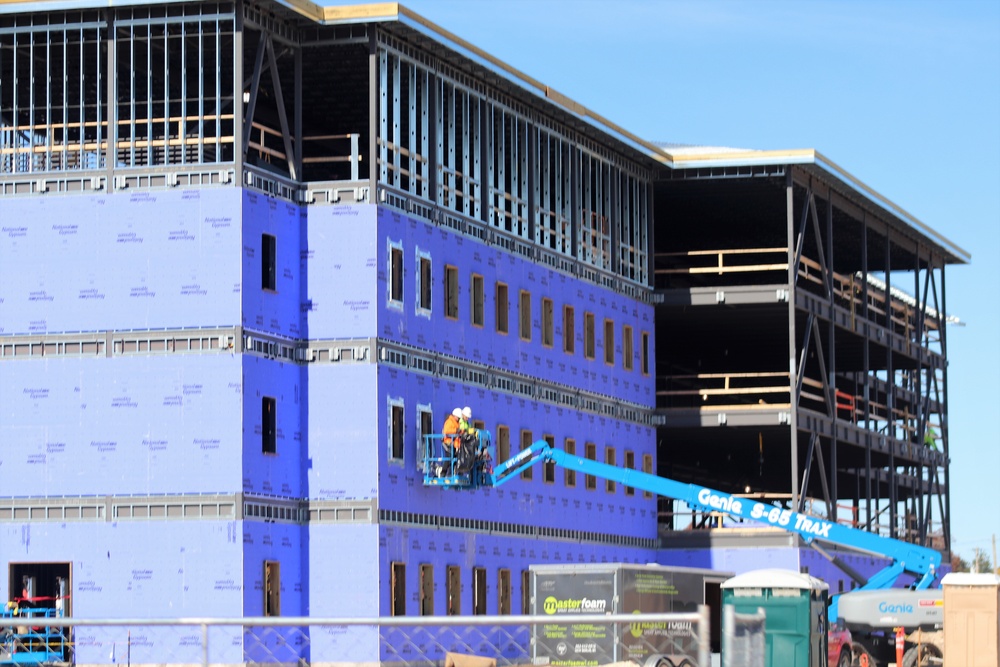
(647,640)
(743,642)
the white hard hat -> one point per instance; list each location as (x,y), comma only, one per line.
(467,412)
(457,412)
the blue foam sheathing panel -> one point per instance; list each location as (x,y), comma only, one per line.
(283,472)
(164,259)
(343,454)
(121,425)
(141,569)
(458,337)
(276,311)
(340,272)
(533,502)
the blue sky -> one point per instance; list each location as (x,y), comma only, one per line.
(903,95)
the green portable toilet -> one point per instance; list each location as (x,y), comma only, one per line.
(795,609)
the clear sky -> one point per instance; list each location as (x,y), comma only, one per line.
(903,95)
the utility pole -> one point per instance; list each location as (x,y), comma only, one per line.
(996,565)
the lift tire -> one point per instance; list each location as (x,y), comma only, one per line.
(862,658)
(924,655)
(845,658)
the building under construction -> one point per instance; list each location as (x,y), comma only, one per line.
(252,252)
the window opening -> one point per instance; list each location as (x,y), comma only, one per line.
(426,589)
(425,426)
(396,431)
(627,351)
(503,443)
(570,475)
(548,335)
(609,342)
(525,592)
(549,469)
(524,315)
(479,591)
(272,588)
(268,425)
(268,262)
(454,590)
(503,592)
(645,353)
(503,308)
(424,285)
(609,457)
(451,292)
(398,588)
(590,453)
(396,274)
(588,335)
(527,473)
(630,464)
(647,467)
(569,330)
(478,301)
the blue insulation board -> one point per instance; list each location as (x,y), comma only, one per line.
(140,569)
(405,322)
(282,473)
(122,425)
(339,265)
(341,461)
(276,311)
(120,261)
(533,502)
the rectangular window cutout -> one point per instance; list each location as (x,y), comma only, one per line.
(609,342)
(396,274)
(647,467)
(268,425)
(453,589)
(524,315)
(549,469)
(478,301)
(548,325)
(503,443)
(569,330)
(268,262)
(451,292)
(272,588)
(426,589)
(588,335)
(570,475)
(525,592)
(503,308)
(627,351)
(396,431)
(590,453)
(645,353)
(609,457)
(398,589)
(526,440)
(424,300)
(479,591)
(630,464)
(503,592)
(425,424)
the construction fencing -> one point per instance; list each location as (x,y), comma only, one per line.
(648,640)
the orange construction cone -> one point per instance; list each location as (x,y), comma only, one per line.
(900,641)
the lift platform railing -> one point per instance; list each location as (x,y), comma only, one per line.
(468,464)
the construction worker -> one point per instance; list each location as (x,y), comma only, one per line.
(469,440)
(452,437)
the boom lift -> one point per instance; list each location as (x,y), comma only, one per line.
(919,561)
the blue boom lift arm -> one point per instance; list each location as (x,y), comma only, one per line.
(919,561)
